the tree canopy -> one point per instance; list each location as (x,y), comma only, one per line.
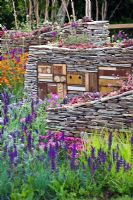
(14,13)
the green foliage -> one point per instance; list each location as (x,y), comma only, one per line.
(5,181)
(76,39)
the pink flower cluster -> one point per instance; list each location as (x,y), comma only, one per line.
(53,101)
(52,139)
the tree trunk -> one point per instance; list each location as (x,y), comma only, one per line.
(97,10)
(73,10)
(62,12)
(15,14)
(46,10)
(88,9)
(104,9)
(36,6)
(26,8)
(53,11)
(30,14)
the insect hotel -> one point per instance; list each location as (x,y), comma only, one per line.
(63,71)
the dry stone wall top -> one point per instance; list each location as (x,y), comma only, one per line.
(110,112)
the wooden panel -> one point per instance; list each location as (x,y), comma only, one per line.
(45,69)
(61,79)
(107,68)
(59,69)
(45,77)
(107,82)
(76,88)
(105,89)
(122,72)
(91,81)
(42,90)
(120,26)
(75,79)
(52,88)
(61,90)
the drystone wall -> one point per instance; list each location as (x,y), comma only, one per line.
(76,60)
(110,112)
(97,31)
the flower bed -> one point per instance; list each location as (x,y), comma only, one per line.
(39,165)
(12,69)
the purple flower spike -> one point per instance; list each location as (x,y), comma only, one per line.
(6,120)
(73,157)
(28,119)
(102,157)
(118,165)
(127,167)
(11,156)
(52,156)
(63,136)
(109,167)
(92,152)
(132,140)
(29,141)
(89,162)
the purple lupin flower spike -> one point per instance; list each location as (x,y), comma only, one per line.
(11,155)
(109,166)
(62,136)
(24,128)
(32,106)
(73,156)
(127,166)
(89,162)
(15,150)
(91,165)
(49,133)
(118,165)
(52,156)
(92,152)
(103,157)
(29,141)
(93,169)
(28,119)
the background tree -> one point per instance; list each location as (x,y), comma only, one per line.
(13,13)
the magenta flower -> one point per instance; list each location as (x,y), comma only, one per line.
(53,34)
(23,120)
(55,97)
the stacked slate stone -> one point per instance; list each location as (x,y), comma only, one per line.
(110,112)
(32,38)
(97,31)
